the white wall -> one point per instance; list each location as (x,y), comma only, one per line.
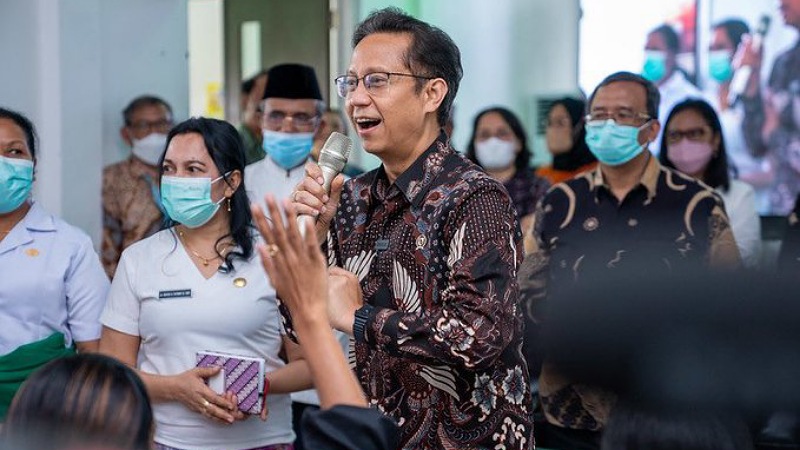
(511,51)
(205,58)
(76,64)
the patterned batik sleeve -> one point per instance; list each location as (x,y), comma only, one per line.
(533,272)
(478,313)
(723,251)
(111,246)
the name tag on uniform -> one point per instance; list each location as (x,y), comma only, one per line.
(178,293)
(381,245)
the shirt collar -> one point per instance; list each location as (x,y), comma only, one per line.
(415,182)
(674,82)
(38,219)
(649,177)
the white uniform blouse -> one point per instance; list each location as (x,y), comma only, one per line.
(51,280)
(159,295)
(265,177)
(740,204)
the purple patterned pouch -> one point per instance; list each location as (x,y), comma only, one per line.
(242,375)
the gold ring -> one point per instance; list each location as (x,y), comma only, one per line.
(206,403)
(272,250)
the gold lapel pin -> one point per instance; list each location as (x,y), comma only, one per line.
(32,252)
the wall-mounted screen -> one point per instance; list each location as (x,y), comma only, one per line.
(761,125)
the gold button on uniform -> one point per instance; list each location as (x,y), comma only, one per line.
(240,282)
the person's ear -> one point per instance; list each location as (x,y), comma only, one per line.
(232,183)
(126,136)
(652,130)
(321,127)
(434,94)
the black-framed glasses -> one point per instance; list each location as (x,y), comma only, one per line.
(375,83)
(145,126)
(301,120)
(693,134)
(621,116)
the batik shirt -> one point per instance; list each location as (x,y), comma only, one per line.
(526,189)
(130,209)
(437,254)
(668,223)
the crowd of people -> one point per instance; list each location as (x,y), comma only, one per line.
(412,310)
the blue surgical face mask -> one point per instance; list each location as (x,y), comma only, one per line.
(288,150)
(16,181)
(188,200)
(719,65)
(655,65)
(613,144)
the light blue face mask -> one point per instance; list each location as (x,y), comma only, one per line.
(16,181)
(288,150)
(613,144)
(719,65)
(655,65)
(188,200)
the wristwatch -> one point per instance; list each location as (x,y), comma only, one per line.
(361,316)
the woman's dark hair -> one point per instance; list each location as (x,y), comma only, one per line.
(227,151)
(83,399)
(635,428)
(670,36)
(524,155)
(579,155)
(717,172)
(26,125)
(734,29)
(432,53)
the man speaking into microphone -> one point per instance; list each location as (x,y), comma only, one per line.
(427,247)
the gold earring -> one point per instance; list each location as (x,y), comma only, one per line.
(229,204)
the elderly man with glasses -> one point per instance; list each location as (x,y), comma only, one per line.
(291,115)
(630,215)
(131,199)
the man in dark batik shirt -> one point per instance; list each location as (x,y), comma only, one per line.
(429,247)
(629,214)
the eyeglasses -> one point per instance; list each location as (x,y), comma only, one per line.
(693,134)
(556,123)
(621,116)
(144,126)
(301,120)
(375,83)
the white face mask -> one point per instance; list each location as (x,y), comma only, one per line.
(495,153)
(150,148)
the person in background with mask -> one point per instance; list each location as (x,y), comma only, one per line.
(199,286)
(250,128)
(52,285)
(131,206)
(694,144)
(743,142)
(630,213)
(292,113)
(499,145)
(565,137)
(661,68)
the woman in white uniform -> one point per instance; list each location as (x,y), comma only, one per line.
(693,144)
(198,286)
(52,286)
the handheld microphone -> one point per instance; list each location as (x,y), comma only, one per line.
(332,159)
(742,75)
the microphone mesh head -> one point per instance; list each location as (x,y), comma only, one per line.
(335,152)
